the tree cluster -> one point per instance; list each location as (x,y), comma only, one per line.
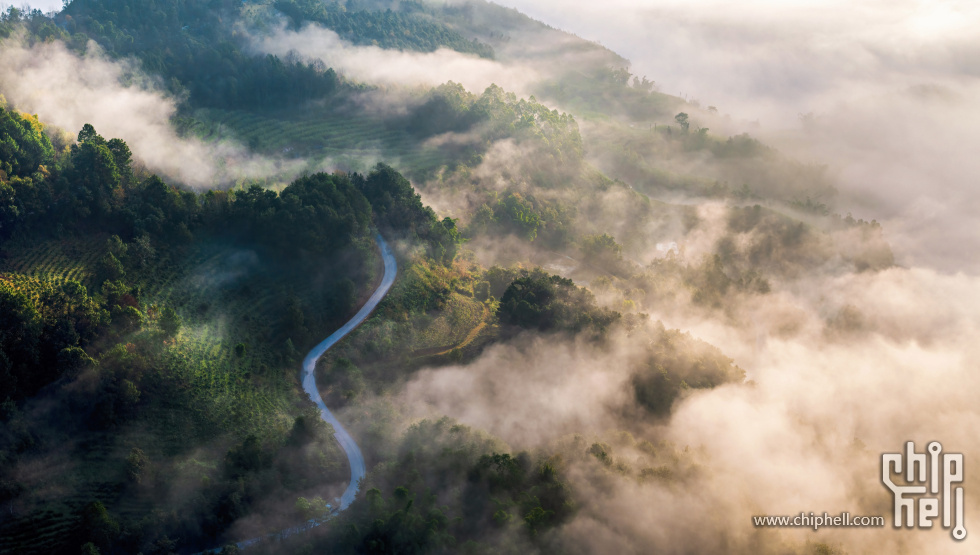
(677,362)
(94,186)
(43,336)
(193,46)
(495,115)
(537,300)
(398,209)
(451,490)
(24,151)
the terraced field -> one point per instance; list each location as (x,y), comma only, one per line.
(41,532)
(55,262)
(225,298)
(251,392)
(347,141)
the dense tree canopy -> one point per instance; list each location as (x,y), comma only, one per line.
(193,46)
(107,334)
(399,209)
(451,487)
(545,302)
(23,145)
(24,152)
(41,338)
(678,362)
(94,186)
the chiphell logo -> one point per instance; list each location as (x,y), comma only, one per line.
(932,472)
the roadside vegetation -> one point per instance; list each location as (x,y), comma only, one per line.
(162,329)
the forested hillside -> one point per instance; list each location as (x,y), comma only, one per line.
(192,47)
(124,300)
(565,240)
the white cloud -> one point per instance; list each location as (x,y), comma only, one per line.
(891,86)
(377,66)
(69,91)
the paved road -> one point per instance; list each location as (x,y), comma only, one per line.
(344,438)
(347,443)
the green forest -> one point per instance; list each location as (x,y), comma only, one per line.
(152,333)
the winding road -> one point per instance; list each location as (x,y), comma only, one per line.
(347,443)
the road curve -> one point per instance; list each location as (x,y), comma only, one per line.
(347,443)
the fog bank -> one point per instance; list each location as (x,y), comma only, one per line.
(381,67)
(68,91)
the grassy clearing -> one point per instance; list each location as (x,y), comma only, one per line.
(452,327)
(431,317)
